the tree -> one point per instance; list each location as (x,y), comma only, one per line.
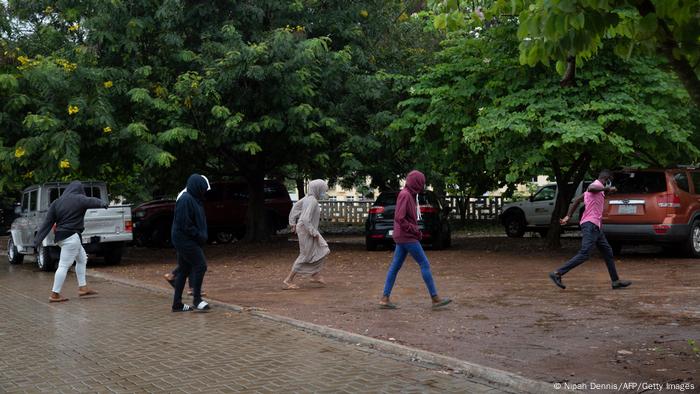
(520,123)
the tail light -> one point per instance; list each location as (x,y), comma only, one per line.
(377,236)
(661,228)
(428,209)
(668,200)
(376,210)
(128,227)
(426,234)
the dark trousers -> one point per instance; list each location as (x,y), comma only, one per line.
(592,236)
(190,264)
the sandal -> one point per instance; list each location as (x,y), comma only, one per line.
(289,286)
(86,293)
(202,307)
(388,305)
(441,303)
(58,299)
(183,308)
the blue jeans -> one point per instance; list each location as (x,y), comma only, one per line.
(416,251)
(592,235)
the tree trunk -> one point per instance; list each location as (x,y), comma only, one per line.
(259,226)
(566,187)
(300,188)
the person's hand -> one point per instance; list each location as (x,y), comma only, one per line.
(564,220)
(293,228)
(612,189)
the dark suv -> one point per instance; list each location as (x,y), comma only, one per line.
(434,226)
(226,207)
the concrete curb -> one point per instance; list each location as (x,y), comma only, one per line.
(505,379)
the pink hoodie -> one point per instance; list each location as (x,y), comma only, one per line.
(405,217)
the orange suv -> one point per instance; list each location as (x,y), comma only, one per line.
(655,206)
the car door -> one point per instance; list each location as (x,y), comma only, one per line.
(32,216)
(542,205)
(20,227)
(688,200)
(695,181)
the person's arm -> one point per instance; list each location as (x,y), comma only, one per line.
(294,215)
(93,202)
(572,208)
(400,216)
(45,227)
(597,188)
(305,217)
(198,222)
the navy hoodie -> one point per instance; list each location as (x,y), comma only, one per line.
(68,212)
(190,223)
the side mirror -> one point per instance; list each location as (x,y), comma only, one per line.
(532,198)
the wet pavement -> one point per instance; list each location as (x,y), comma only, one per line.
(127,340)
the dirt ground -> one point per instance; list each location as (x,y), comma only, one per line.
(506,313)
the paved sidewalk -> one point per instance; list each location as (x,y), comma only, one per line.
(127,340)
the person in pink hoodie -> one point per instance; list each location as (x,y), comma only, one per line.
(407,236)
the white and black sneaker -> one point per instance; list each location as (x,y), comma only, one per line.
(203,306)
(183,308)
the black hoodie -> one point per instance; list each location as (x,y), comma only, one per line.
(68,212)
(190,223)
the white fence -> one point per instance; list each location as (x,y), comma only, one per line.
(355,212)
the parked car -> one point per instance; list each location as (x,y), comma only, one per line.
(535,213)
(226,207)
(106,230)
(659,206)
(435,226)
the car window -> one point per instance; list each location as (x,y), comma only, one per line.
(55,193)
(217,193)
(33,200)
(93,191)
(275,190)
(385,199)
(25,202)
(695,176)
(681,179)
(640,182)
(547,193)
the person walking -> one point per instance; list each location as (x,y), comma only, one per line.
(68,214)
(591,223)
(407,236)
(313,249)
(170,276)
(189,234)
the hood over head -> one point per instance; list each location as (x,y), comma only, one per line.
(317,187)
(197,185)
(75,187)
(415,182)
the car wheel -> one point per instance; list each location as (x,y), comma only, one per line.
(13,255)
(113,256)
(515,226)
(44,260)
(224,237)
(692,245)
(370,245)
(160,237)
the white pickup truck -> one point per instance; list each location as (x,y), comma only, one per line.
(106,230)
(535,213)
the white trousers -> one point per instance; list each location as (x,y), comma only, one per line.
(71,251)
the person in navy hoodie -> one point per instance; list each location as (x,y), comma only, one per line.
(407,236)
(189,234)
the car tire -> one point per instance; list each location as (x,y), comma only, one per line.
(514,226)
(692,245)
(113,256)
(13,255)
(160,236)
(371,245)
(44,261)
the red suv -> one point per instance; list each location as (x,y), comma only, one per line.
(226,207)
(655,206)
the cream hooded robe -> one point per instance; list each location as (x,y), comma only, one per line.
(305,216)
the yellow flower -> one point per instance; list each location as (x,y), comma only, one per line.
(403,17)
(188,102)
(73,109)
(300,28)
(107,130)
(195,85)
(29,175)
(64,164)
(19,152)
(23,59)
(67,66)
(74,27)
(108,84)
(364,13)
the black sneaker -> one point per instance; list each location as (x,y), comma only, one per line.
(620,284)
(556,278)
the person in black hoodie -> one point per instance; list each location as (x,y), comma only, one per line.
(67,213)
(189,234)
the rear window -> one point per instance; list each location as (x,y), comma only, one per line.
(275,190)
(385,199)
(640,182)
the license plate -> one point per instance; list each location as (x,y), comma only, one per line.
(627,209)
(391,233)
